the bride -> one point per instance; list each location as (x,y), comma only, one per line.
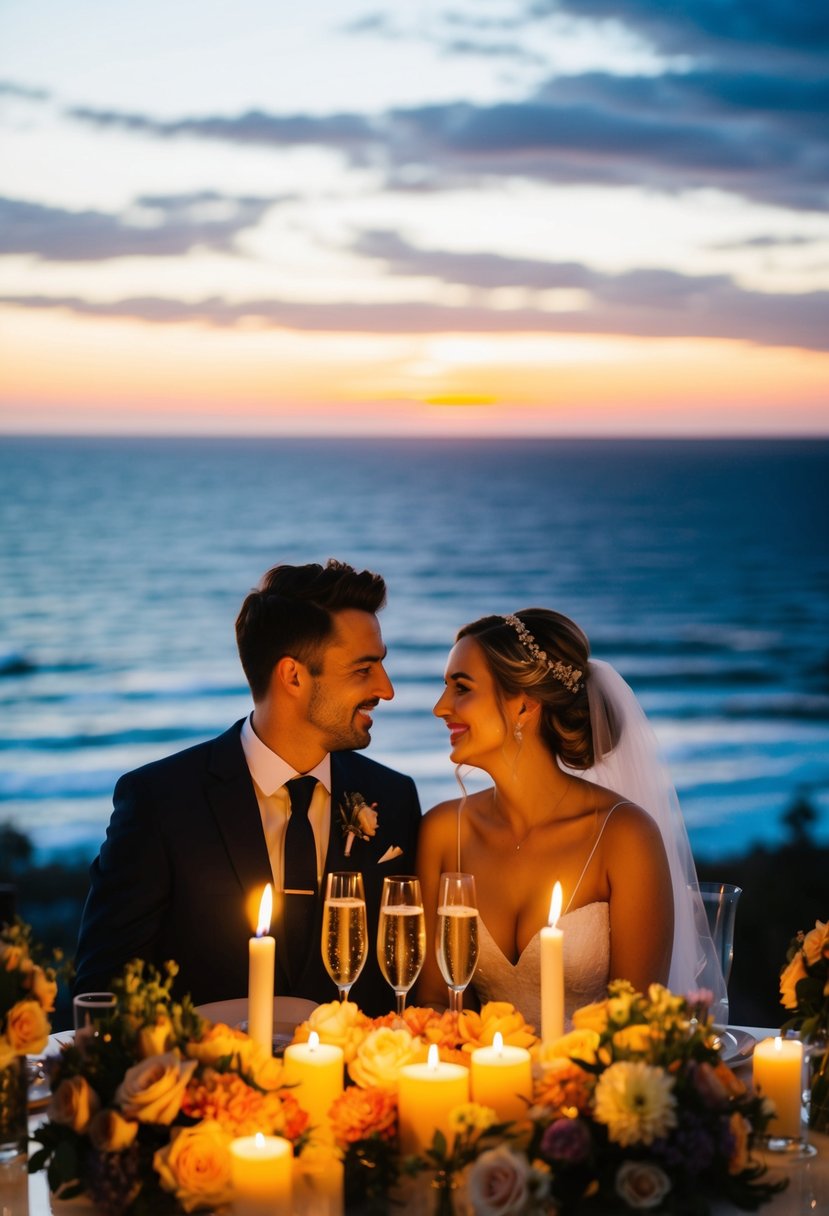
(579,795)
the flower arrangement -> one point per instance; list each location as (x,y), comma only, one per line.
(145,1105)
(357,819)
(632,1110)
(804,990)
(27,994)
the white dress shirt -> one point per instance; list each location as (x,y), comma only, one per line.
(270,774)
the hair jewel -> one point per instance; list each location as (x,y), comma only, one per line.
(569,676)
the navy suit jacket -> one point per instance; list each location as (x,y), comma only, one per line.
(185,851)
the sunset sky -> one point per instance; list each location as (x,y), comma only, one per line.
(553,217)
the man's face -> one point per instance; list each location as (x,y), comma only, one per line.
(352,681)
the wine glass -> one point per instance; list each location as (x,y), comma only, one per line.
(401,934)
(344,929)
(456,940)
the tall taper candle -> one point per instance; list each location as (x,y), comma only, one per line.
(261,956)
(552,974)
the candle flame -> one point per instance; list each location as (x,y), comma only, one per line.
(555,906)
(778,1043)
(259,1140)
(265,911)
(313,1041)
(498,1043)
(433,1059)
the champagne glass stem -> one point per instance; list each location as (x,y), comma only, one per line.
(456,1000)
(400,997)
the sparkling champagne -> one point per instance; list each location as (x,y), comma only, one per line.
(457,943)
(344,939)
(401,944)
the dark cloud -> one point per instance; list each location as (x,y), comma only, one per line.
(25,92)
(156,226)
(643,303)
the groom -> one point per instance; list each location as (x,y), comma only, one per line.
(195,837)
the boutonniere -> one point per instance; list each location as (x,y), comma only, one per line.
(358,819)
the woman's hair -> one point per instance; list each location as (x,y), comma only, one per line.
(545,655)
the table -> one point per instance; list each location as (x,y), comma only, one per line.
(806,1195)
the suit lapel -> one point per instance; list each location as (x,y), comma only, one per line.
(232,800)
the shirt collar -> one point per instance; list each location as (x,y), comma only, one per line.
(269,770)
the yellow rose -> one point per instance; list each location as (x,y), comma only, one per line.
(816,943)
(195,1166)
(381,1055)
(154,1040)
(636,1038)
(792,972)
(340,1023)
(591,1017)
(73,1103)
(578,1044)
(110,1133)
(44,989)
(27,1027)
(256,1061)
(152,1090)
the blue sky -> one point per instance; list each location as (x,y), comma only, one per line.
(485,204)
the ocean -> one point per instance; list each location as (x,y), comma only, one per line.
(699,568)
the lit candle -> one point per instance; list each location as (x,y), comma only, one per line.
(552,973)
(261,955)
(261,1169)
(426,1094)
(501,1077)
(316,1069)
(778,1072)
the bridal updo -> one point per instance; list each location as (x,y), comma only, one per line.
(544,654)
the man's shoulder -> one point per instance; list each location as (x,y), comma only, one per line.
(196,758)
(355,764)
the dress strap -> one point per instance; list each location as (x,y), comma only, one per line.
(621,802)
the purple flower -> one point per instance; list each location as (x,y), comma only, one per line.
(566,1140)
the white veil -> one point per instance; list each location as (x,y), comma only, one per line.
(634,767)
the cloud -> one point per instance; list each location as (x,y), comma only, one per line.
(25,92)
(155,226)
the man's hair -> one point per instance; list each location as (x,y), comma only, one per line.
(290,613)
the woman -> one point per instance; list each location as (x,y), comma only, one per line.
(579,796)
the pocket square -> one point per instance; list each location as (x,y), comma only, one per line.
(391,852)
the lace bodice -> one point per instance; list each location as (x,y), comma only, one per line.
(586,965)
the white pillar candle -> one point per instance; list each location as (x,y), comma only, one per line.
(316,1070)
(426,1094)
(552,973)
(501,1077)
(778,1075)
(261,958)
(261,1169)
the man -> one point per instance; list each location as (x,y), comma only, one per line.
(195,837)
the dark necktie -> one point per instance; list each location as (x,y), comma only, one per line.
(300,876)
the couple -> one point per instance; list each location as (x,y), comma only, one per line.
(195,835)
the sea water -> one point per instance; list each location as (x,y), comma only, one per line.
(700,569)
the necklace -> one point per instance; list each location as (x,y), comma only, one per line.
(541,823)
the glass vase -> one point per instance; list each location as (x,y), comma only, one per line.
(818,1083)
(444,1185)
(14,1109)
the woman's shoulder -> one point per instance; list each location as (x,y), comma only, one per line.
(447,812)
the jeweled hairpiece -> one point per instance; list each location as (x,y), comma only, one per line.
(569,676)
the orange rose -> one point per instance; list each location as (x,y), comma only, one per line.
(110,1133)
(361,1112)
(591,1017)
(816,943)
(793,972)
(44,989)
(152,1091)
(73,1103)
(479,1029)
(27,1027)
(195,1166)
(256,1061)
(740,1130)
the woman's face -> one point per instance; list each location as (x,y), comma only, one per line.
(471,709)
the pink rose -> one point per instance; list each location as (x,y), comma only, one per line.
(641,1184)
(499,1183)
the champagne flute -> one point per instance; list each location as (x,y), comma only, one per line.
(401,934)
(344,929)
(457,934)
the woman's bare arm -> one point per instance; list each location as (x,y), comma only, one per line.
(641,899)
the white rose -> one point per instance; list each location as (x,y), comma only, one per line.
(642,1184)
(499,1183)
(152,1090)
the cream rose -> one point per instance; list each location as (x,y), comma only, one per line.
(195,1166)
(110,1133)
(340,1023)
(499,1183)
(27,1027)
(641,1184)
(152,1090)
(73,1103)
(381,1055)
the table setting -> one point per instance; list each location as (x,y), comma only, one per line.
(273,1104)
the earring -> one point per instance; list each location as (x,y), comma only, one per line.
(518,733)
